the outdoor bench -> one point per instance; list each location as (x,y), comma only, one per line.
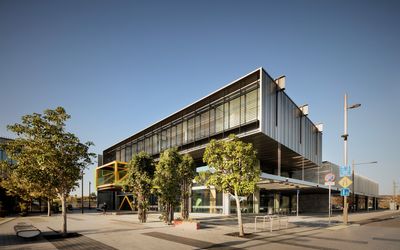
(24,230)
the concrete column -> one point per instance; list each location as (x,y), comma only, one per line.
(297,202)
(213,200)
(366,203)
(276,202)
(114,201)
(190,204)
(356,203)
(279,159)
(226,203)
(256,201)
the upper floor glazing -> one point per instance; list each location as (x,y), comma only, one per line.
(233,111)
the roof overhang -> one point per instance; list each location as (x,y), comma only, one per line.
(281,183)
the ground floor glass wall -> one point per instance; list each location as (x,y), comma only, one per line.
(206,201)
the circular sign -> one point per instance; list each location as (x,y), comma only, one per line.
(330,177)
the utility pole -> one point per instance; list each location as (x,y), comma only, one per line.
(89,194)
(345,136)
(394,189)
(82,194)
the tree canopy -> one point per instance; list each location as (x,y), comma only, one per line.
(167,182)
(47,156)
(233,169)
(139,181)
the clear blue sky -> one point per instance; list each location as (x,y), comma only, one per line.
(119,66)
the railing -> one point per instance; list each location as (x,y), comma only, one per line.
(281,219)
(110,174)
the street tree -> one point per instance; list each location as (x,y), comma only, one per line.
(17,177)
(167,182)
(233,169)
(48,156)
(186,172)
(140,172)
(15,184)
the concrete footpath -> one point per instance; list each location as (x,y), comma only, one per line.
(97,231)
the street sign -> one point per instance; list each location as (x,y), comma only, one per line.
(329,177)
(345,171)
(329,183)
(345,182)
(345,192)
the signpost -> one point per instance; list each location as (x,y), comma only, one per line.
(345,192)
(345,171)
(345,182)
(330,181)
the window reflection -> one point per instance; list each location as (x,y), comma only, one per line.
(229,113)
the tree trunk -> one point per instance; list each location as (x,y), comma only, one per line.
(140,207)
(170,213)
(239,215)
(48,207)
(144,215)
(185,201)
(64,215)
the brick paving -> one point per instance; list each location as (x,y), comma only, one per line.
(76,242)
(96,231)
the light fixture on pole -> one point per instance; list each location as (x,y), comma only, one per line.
(345,136)
(355,205)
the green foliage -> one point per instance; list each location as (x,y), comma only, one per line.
(48,160)
(16,184)
(139,181)
(173,178)
(233,166)
(233,169)
(167,181)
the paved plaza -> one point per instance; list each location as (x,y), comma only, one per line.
(372,230)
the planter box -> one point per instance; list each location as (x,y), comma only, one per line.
(190,225)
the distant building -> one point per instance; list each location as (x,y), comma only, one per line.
(257,109)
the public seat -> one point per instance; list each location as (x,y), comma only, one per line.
(26,231)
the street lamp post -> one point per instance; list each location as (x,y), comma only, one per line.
(353,178)
(89,194)
(345,136)
(82,194)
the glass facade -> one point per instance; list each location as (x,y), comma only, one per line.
(229,112)
(246,204)
(3,155)
(206,201)
(105,176)
(110,174)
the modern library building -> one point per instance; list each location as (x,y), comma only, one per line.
(257,109)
